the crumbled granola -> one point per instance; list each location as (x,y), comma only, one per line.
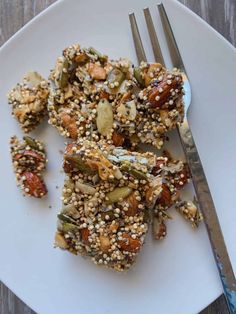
(29,101)
(189,210)
(29,161)
(105,199)
(176,175)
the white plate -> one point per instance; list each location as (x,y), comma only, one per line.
(177,275)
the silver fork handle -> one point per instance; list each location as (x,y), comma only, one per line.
(209,213)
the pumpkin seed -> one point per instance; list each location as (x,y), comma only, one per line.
(31,142)
(137,75)
(67,227)
(104,117)
(115,76)
(33,79)
(118,194)
(100,56)
(77,162)
(85,188)
(65,218)
(64,76)
(134,172)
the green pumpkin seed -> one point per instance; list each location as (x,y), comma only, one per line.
(118,194)
(65,218)
(68,227)
(77,162)
(64,75)
(115,76)
(31,142)
(100,56)
(134,172)
(137,75)
(104,117)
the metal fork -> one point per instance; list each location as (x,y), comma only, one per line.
(198,176)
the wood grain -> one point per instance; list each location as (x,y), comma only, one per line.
(221,14)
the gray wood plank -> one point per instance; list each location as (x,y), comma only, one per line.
(221,14)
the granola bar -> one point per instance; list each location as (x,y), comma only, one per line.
(97,98)
(29,101)
(29,161)
(106,196)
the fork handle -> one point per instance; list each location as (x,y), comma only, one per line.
(210,216)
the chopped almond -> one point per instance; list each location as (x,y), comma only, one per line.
(129,244)
(70,124)
(96,71)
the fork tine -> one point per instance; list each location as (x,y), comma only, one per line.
(172,44)
(140,52)
(153,37)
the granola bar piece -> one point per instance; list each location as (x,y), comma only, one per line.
(106,196)
(29,161)
(189,210)
(176,175)
(29,101)
(98,98)
(160,102)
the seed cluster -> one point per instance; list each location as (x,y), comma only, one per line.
(176,175)
(190,212)
(29,161)
(29,101)
(105,202)
(143,102)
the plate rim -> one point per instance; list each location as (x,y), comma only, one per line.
(50,8)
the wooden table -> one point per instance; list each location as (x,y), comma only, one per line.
(221,14)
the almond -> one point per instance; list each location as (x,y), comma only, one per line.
(69,123)
(104,243)
(165,197)
(103,95)
(181,178)
(118,139)
(133,205)
(129,244)
(85,235)
(96,71)
(160,92)
(114,226)
(160,162)
(125,97)
(81,58)
(30,153)
(69,148)
(35,184)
